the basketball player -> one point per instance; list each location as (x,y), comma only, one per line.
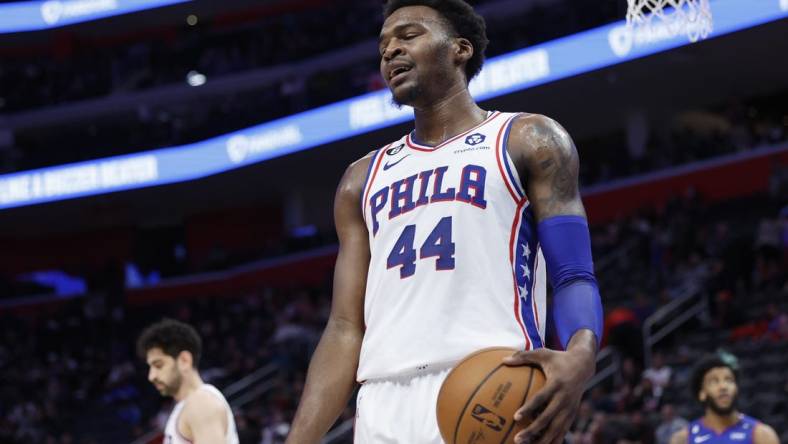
(445,235)
(201,414)
(714,385)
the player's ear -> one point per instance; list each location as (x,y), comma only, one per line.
(185,359)
(702,396)
(463,50)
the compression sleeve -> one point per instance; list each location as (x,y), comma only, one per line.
(566,245)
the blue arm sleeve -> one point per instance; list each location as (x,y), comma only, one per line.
(566,245)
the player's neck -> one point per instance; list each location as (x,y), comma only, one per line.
(190,384)
(454,113)
(719,423)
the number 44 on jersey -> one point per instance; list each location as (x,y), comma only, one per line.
(438,244)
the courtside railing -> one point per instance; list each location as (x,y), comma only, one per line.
(688,304)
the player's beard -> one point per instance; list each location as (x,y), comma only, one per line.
(410,95)
(172,388)
(719,410)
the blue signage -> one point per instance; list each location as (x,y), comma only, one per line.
(558,59)
(39,15)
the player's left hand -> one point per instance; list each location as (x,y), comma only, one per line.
(553,409)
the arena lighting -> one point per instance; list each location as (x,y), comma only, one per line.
(558,59)
(305,231)
(194,78)
(40,15)
(192,20)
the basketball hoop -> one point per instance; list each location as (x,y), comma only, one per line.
(674,17)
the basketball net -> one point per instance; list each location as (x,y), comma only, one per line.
(675,17)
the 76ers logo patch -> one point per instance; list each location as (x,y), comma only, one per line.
(395,150)
(475,139)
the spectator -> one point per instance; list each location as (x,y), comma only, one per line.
(778,323)
(639,430)
(582,424)
(659,374)
(669,424)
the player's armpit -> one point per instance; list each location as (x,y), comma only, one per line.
(204,419)
(680,437)
(764,434)
(547,161)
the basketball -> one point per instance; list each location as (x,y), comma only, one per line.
(478,399)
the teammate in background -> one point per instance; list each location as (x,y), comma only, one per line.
(201,414)
(444,237)
(714,385)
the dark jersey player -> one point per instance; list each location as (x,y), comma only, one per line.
(714,385)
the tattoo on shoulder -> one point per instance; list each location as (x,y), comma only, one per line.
(564,177)
(554,168)
(546,164)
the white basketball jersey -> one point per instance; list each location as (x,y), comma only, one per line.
(455,262)
(171,434)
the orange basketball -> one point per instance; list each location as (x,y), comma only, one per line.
(479,397)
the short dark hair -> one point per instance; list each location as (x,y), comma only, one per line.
(703,366)
(465,23)
(172,337)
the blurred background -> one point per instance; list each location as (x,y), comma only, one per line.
(179,158)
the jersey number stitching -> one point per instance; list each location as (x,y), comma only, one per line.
(438,244)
